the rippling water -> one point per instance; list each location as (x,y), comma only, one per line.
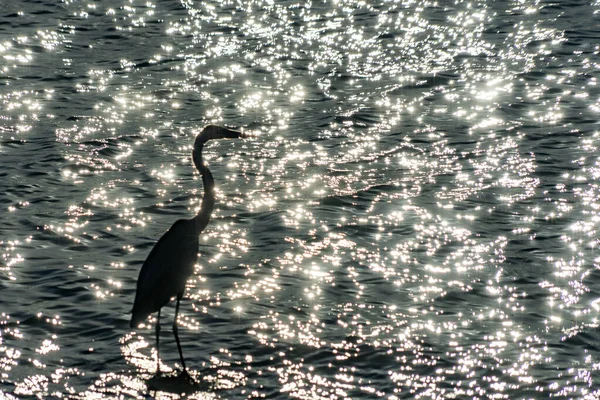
(417,218)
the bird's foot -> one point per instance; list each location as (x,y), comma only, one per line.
(157,375)
(185,375)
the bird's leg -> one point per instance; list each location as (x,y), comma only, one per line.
(179,296)
(157,334)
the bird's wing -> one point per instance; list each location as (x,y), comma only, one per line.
(167,268)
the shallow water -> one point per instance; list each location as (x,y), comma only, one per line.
(416,218)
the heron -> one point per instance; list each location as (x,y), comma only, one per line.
(171,262)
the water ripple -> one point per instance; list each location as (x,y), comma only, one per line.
(416,217)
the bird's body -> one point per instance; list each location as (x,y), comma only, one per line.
(169,274)
(171,262)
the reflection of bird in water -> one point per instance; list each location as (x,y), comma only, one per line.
(171,261)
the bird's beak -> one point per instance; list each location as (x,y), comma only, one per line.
(234,134)
(231,134)
(239,134)
(248,135)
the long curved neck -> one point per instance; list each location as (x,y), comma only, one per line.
(208,201)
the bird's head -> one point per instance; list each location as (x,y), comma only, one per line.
(216,132)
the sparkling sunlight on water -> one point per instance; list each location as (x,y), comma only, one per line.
(417,216)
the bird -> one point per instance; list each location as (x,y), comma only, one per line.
(171,261)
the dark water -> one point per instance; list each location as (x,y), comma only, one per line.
(417,218)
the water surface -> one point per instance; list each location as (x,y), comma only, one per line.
(417,217)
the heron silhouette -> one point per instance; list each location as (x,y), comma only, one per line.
(171,261)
